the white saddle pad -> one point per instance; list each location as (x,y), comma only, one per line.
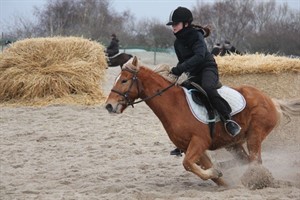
(236,101)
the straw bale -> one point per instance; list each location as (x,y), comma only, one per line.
(282,86)
(277,76)
(256,64)
(58,70)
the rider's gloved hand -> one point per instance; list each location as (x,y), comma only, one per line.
(176,71)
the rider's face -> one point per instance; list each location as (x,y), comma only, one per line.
(177,27)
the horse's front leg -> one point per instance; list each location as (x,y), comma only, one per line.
(193,154)
(205,163)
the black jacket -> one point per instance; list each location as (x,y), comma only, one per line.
(192,52)
(113,47)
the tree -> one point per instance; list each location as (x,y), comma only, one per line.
(229,19)
(250,25)
(21,28)
(276,33)
(153,34)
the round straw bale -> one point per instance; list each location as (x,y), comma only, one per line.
(43,71)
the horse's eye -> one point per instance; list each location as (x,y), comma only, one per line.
(124,81)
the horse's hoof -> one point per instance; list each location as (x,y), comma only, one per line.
(216,173)
(220,174)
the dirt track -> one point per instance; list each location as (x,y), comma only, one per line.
(79,152)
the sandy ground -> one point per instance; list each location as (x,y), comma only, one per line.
(82,152)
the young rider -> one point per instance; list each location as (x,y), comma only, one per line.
(195,59)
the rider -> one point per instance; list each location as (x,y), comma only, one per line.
(229,49)
(113,47)
(195,59)
(217,49)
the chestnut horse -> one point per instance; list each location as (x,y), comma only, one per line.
(168,102)
(118,60)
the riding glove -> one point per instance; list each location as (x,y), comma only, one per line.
(176,71)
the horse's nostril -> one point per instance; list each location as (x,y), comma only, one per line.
(109,107)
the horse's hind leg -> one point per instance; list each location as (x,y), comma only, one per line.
(265,118)
(254,148)
(205,162)
(254,140)
(239,154)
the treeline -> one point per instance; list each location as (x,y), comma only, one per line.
(250,25)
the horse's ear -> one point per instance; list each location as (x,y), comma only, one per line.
(132,64)
(135,61)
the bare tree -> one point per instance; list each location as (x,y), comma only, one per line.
(251,25)
(89,18)
(276,33)
(154,34)
(229,19)
(21,28)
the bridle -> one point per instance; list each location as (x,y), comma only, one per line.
(134,79)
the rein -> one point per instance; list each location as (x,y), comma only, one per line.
(135,80)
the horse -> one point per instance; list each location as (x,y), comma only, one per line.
(118,59)
(167,100)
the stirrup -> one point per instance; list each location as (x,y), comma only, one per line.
(232,127)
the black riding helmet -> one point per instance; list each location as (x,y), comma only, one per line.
(180,14)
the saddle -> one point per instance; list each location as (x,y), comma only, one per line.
(200,97)
(201,107)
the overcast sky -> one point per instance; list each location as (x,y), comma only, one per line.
(159,9)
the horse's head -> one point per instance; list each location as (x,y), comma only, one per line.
(126,88)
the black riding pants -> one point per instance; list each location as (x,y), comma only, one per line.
(208,80)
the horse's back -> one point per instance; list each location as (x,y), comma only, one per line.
(253,95)
(119,59)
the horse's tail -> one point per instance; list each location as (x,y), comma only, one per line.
(287,108)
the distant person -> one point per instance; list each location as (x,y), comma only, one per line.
(7,43)
(229,49)
(113,47)
(217,49)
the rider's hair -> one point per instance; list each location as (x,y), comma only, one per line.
(204,29)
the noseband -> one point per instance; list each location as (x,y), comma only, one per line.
(134,79)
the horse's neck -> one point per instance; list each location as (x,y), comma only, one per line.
(164,103)
(151,81)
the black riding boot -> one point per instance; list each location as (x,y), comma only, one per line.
(176,152)
(231,126)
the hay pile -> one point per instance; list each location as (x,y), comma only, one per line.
(256,64)
(277,76)
(57,70)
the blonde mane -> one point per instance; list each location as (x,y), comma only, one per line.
(164,71)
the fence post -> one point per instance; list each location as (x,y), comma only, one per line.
(2,36)
(155,49)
